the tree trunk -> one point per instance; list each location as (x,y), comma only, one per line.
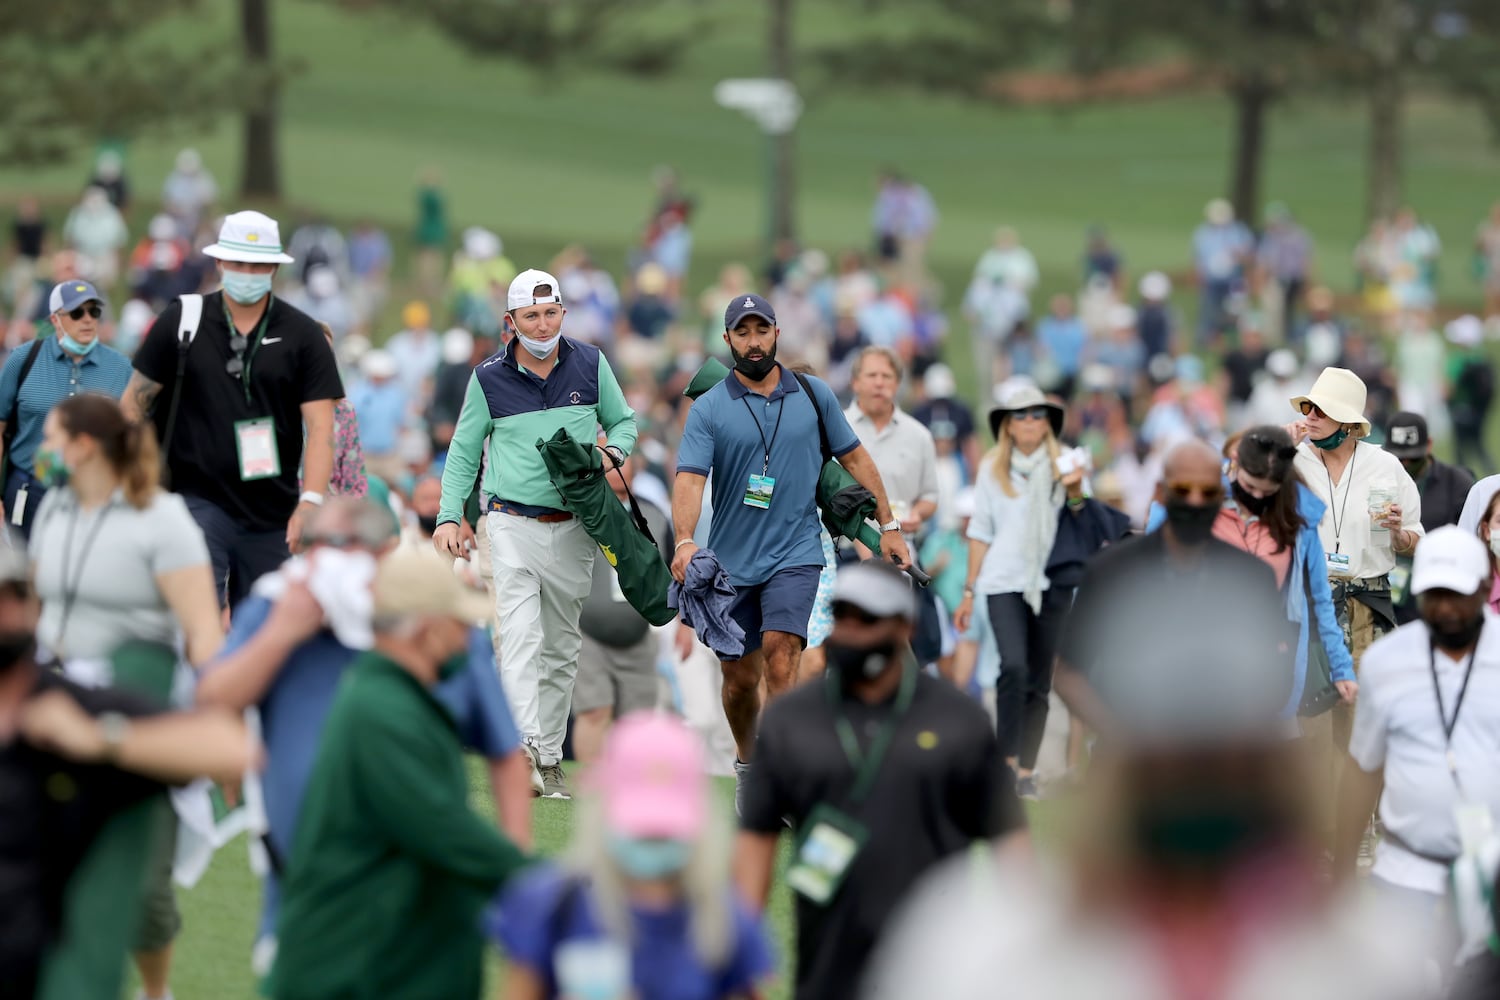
(1385,94)
(1252,100)
(783,194)
(262,150)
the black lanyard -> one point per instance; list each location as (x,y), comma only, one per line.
(255,339)
(1449,725)
(1338,519)
(867,765)
(70,593)
(780,410)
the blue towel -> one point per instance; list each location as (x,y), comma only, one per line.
(703,604)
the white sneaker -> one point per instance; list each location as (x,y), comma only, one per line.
(537,787)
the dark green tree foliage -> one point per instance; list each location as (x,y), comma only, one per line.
(73,72)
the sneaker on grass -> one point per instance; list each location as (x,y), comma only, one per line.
(554,782)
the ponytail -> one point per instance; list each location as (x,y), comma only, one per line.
(130,449)
(140,465)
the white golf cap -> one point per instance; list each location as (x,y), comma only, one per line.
(1155,286)
(1450,558)
(250,238)
(378,363)
(876,588)
(523,290)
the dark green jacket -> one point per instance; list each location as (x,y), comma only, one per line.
(390,868)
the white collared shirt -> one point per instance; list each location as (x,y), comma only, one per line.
(1397,729)
(904,454)
(1345,527)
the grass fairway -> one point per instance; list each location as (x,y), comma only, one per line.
(220,914)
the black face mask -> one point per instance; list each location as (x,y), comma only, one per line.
(1204,831)
(1242,497)
(427,524)
(757,369)
(15,648)
(857,663)
(1461,637)
(1191,524)
(1416,468)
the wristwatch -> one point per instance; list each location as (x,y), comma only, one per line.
(891,525)
(112,726)
(312,497)
(616,453)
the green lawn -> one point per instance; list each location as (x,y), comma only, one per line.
(220,913)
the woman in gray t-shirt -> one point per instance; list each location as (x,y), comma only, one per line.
(115,558)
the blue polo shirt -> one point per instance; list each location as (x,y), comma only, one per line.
(727,431)
(53,378)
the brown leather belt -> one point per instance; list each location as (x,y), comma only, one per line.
(514,510)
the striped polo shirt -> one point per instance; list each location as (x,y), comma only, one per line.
(54,377)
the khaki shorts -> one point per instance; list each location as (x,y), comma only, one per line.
(620,678)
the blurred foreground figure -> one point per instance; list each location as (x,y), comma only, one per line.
(1191,867)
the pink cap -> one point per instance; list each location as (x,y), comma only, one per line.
(651,775)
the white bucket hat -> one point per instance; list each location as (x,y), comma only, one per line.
(1339,393)
(250,238)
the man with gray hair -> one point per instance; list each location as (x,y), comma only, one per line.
(390,867)
(903,449)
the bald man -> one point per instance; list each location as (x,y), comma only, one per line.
(1161,594)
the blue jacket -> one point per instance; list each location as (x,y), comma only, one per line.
(1311,564)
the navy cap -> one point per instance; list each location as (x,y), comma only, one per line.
(748,305)
(69,295)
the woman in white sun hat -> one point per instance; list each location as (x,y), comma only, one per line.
(233,403)
(1373,513)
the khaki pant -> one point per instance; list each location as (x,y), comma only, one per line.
(543,572)
(1327,736)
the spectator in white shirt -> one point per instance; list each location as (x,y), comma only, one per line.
(1427,731)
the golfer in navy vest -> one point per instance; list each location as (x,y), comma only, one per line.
(757,432)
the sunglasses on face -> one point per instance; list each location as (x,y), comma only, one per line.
(1032,413)
(93,309)
(1187,491)
(1311,409)
(843,610)
(235,366)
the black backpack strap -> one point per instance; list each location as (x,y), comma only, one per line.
(14,416)
(818,412)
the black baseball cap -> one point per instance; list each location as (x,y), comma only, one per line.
(748,305)
(1406,435)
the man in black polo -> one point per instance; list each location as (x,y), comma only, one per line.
(1443,488)
(1160,598)
(878,760)
(232,405)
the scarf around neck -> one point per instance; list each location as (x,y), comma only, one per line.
(1040,489)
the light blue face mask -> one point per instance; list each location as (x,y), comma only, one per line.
(538,349)
(648,859)
(246,288)
(74,348)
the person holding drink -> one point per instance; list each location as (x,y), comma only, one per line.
(1373,514)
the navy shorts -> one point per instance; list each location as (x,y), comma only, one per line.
(783,603)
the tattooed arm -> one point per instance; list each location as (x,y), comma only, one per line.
(140,395)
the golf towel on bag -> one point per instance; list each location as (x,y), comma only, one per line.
(620,531)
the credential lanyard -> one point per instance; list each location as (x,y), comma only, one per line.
(867,765)
(766,465)
(1450,725)
(255,339)
(70,592)
(1339,520)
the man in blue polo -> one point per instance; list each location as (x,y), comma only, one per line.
(55,367)
(757,432)
(543,559)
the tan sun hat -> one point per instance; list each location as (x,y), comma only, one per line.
(1339,393)
(415,580)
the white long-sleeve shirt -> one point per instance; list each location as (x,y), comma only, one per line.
(1345,527)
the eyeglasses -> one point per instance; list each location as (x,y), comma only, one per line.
(848,611)
(1310,409)
(1031,413)
(235,366)
(1207,494)
(93,309)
